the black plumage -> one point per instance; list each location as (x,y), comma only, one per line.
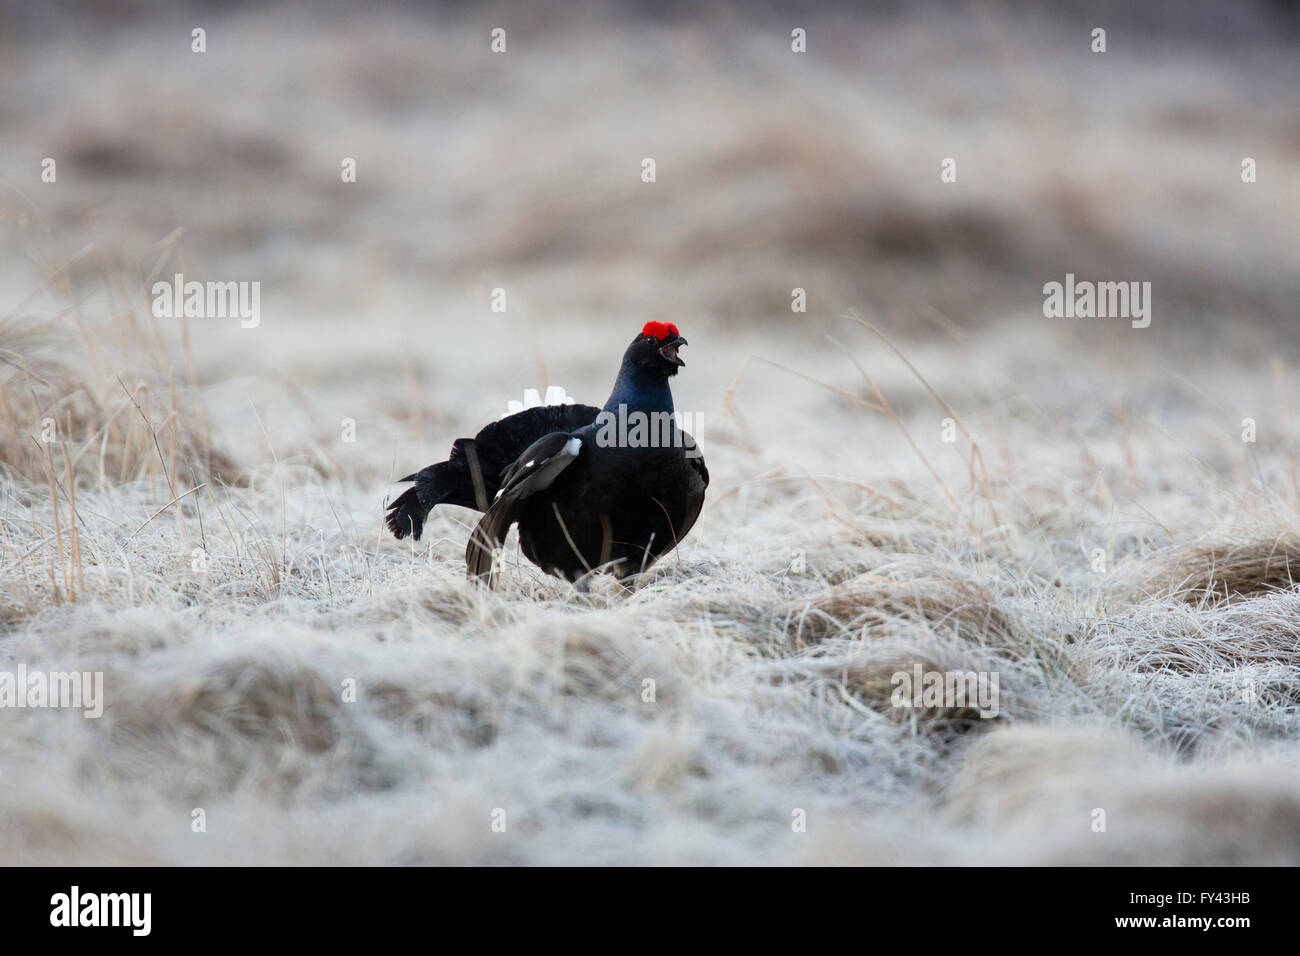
(471,475)
(587,491)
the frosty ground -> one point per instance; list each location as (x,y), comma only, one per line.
(920,469)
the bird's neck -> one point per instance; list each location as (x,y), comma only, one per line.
(640,391)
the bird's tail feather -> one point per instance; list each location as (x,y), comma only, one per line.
(487,536)
(406,515)
(447,482)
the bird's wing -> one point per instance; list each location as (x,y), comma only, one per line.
(471,475)
(533,471)
(502,442)
(695,502)
(695,457)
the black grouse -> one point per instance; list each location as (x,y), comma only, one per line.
(608,488)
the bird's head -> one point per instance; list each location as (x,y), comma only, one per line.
(655,349)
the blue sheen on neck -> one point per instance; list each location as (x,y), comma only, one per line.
(640,391)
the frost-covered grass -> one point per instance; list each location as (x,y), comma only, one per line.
(1095,533)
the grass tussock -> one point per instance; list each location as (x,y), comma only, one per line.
(941,597)
(1227,569)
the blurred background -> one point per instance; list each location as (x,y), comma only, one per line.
(775,170)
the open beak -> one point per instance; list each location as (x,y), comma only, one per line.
(669,350)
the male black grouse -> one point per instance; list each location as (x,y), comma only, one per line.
(608,488)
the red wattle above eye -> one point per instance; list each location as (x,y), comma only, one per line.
(659,330)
